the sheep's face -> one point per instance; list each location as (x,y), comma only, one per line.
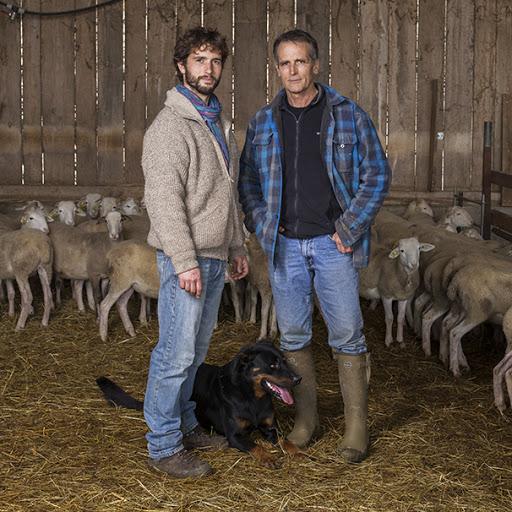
(130,207)
(91,204)
(35,220)
(472,233)
(108,204)
(65,212)
(419,206)
(459,217)
(114,225)
(408,250)
(423,207)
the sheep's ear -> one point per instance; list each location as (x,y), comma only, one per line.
(394,253)
(426,247)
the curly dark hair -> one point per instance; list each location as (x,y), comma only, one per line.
(196,38)
(297,36)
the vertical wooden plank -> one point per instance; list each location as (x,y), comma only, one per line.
(32,131)
(506,153)
(135,89)
(345,47)
(503,72)
(484,89)
(430,67)
(402,92)
(85,95)
(374,59)
(249,62)
(280,19)
(503,88)
(58,95)
(313,16)
(10,106)
(486,180)
(218,14)
(161,40)
(189,15)
(110,95)
(459,89)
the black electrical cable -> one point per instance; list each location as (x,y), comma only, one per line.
(15,10)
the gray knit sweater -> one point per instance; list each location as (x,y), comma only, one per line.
(190,194)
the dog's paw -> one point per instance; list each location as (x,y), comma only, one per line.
(291,449)
(265,458)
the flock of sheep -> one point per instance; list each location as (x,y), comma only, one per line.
(433,270)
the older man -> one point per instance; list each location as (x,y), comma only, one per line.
(312,178)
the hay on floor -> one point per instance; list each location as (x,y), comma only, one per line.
(437,443)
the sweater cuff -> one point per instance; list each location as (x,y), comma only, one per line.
(184,261)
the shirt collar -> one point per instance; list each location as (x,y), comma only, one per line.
(284,105)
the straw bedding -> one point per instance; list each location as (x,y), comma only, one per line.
(437,443)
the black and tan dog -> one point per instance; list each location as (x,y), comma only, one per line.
(236,399)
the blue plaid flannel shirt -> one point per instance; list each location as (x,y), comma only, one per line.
(354,159)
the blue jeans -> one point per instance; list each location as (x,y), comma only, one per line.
(185,328)
(304,265)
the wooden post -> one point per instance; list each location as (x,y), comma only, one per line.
(486,182)
(506,141)
(433,134)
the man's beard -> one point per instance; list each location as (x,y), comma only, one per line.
(193,81)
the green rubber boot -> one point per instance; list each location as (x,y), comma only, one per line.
(306,414)
(354,375)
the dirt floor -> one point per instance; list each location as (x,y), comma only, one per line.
(437,443)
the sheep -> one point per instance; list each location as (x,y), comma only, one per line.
(482,293)
(108,204)
(132,267)
(502,372)
(22,253)
(91,203)
(393,276)
(80,256)
(435,285)
(419,210)
(66,211)
(130,207)
(456,218)
(137,227)
(259,283)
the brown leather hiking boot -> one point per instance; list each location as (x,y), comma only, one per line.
(182,464)
(200,438)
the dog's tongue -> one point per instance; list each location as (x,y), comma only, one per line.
(283,393)
(286,396)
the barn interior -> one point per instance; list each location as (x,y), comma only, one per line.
(81,81)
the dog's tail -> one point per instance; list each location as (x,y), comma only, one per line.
(117,395)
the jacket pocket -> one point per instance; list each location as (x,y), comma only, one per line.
(262,146)
(343,151)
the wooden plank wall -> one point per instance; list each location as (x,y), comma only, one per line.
(78,91)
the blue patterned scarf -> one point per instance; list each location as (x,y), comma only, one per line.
(211,115)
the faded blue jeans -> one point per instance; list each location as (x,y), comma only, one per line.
(315,264)
(185,328)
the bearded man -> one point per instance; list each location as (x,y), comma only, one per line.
(190,168)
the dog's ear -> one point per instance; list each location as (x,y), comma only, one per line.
(242,361)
